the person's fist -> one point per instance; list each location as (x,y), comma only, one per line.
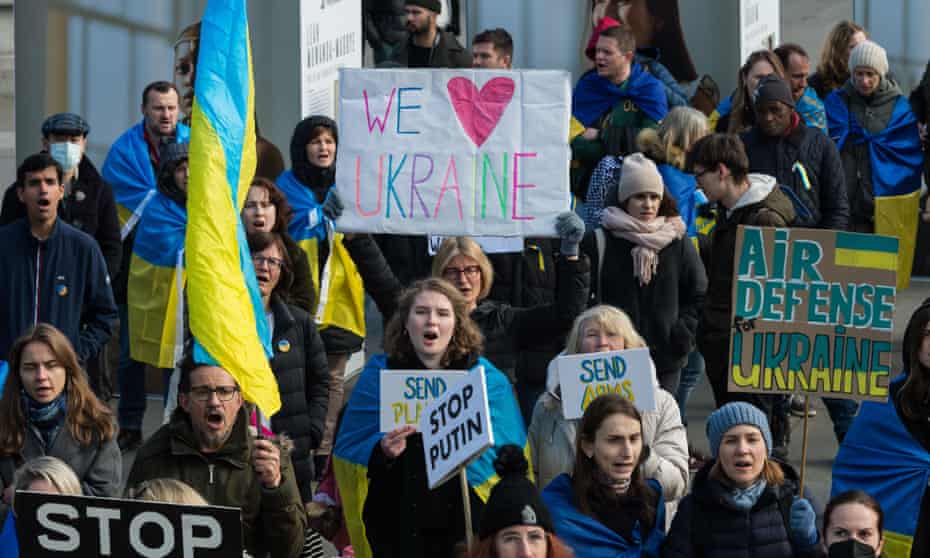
(332,205)
(266,461)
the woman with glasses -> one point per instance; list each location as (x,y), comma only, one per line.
(506,329)
(48,408)
(299,361)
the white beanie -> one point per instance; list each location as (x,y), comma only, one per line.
(639,174)
(870,55)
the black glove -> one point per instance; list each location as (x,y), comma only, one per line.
(570,228)
(332,205)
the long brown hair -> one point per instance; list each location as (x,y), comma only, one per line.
(834,63)
(916,386)
(741,115)
(283,212)
(466,337)
(583,481)
(88,420)
(555,548)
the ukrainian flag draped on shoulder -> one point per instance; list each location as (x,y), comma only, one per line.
(360,432)
(337,288)
(723,109)
(595,95)
(881,457)
(128,170)
(226,314)
(896,160)
(156,284)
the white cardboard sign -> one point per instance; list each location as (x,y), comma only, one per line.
(453,152)
(489,244)
(404,393)
(456,427)
(583,377)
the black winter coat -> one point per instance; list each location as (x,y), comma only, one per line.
(89,207)
(446,53)
(507,330)
(666,311)
(299,364)
(707,527)
(827,198)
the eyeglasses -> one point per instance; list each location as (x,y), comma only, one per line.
(268,261)
(453,273)
(223,393)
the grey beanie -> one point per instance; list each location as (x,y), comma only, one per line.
(734,414)
(870,55)
(639,174)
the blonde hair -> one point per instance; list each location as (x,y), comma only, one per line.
(834,63)
(50,469)
(670,143)
(166,490)
(464,246)
(612,319)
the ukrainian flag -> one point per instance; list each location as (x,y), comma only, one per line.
(359,432)
(882,458)
(869,251)
(226,314)
(896,161)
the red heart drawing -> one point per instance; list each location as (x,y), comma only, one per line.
(480,111)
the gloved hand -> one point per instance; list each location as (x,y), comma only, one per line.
(803,523)
(332,205)
(570,228)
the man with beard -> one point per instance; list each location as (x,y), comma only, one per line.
(207,444)
(427,46)
(52,272)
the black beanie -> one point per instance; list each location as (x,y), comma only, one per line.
(772,88)
(431,5)
(514,500)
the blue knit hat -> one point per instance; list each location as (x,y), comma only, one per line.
(734,414)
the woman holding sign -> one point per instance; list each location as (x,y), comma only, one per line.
(606,508)
(48,408)
(743,503)
(430,331)
(887,450)
(552,436)
(337,288)
(648,268)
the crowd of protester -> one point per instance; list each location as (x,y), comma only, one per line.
(644,262)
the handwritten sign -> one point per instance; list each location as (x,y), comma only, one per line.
(456,427)
(453,152)
(813,312)
(404,393)
(54,525)
(584,377)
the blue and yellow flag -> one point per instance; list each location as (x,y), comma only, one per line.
(359,432)
(881,457)
(156,284)
(896,160)
(128,170)
(226,314)
(595,95)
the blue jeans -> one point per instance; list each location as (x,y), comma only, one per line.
(130,376)
(690,376)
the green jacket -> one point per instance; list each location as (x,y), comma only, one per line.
(273,521)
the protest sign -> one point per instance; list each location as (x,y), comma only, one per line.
(812,313)
(404,393)
(453,152)
(52,525)
(489,244)
(583,377)
(456,427)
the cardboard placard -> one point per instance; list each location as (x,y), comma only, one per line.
(404,393)
(813,313)
(55,525)
(453,152)
(456,427)
(583,377)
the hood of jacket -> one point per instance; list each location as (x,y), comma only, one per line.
(318,179)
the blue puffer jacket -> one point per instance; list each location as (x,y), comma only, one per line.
(73,294)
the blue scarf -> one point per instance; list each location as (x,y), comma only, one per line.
(743,499)
(48,418)
(595,95)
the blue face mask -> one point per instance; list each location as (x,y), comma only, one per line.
(66,153)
